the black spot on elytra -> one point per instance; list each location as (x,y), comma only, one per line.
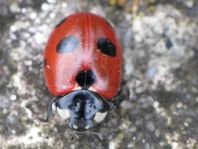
(106,46)
(61,22)
(67,44)
(85,78)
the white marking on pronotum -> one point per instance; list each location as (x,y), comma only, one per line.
(75,126)
(87,127)
(63,113)
(99,116)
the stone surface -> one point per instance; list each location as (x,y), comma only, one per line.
(157,106)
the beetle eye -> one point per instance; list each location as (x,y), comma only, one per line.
(63,113)
(100,116)
(106,46)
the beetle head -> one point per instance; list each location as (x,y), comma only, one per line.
(81,108)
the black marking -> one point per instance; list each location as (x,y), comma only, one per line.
(67,44)
(61,22)
(85,78)
(106,46)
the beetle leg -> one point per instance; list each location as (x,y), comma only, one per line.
(111,104)
(51,109)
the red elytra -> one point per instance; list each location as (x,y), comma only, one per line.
(83,41)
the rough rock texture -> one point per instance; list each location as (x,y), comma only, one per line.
(160,42)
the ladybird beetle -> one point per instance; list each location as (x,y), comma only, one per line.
(83,69)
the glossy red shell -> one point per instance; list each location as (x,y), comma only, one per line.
(61,68)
